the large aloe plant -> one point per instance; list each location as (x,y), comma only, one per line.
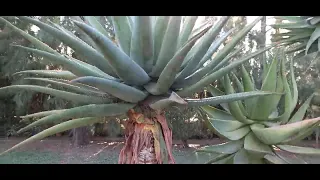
(155,63)
(256,127)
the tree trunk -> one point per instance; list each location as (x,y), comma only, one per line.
(317,136)
(148,139)
(185,143)
(263,37)
(261,43)
(81,136)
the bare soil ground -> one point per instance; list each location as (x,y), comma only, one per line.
(58,150)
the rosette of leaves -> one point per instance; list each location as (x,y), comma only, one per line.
(257,128)
(154,63)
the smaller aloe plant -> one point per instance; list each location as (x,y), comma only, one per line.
(257,127)
(301,30)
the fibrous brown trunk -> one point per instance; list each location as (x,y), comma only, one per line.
(148,139)
(81,136)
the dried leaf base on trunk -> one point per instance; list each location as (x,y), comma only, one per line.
(148,139)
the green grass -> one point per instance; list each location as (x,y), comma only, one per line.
(103,151)
(31,158)
(49,157)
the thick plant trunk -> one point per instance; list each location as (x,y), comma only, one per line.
(148,139)
(80,136)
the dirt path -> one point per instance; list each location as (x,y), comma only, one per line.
(99,151)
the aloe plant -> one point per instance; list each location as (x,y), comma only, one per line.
(303,31)
(257,128)
(154,63)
